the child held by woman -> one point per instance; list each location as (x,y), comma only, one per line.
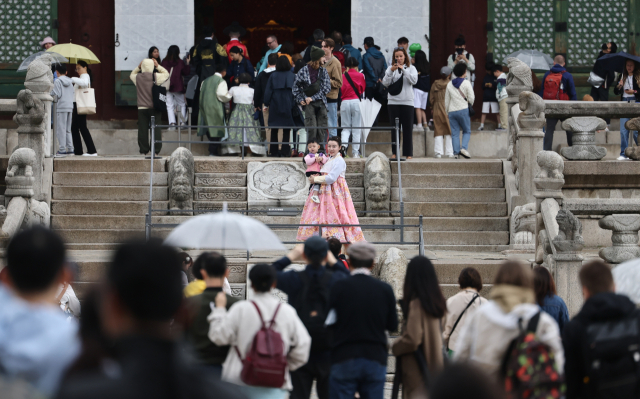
(314,162)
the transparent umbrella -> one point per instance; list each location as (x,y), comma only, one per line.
(55,58)
(535,59)
(224,230)
(369,109)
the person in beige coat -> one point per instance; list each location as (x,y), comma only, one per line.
(334,68)
(238,326)
(423,306)
(491,328)
(461,305)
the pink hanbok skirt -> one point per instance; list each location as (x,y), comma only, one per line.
(335,207)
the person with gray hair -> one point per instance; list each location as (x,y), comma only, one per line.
(318,36)
(362,309)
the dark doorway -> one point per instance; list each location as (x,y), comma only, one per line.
(289,20)
(447,22)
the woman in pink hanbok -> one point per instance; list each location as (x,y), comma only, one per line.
(335,206)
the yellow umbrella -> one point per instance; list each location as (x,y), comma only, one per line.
(75,53)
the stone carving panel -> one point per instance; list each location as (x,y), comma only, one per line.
(181,172)
(220,193)
(221,179)
(377,184)
(218,165)
(239,290)
(217,206)
(277,183)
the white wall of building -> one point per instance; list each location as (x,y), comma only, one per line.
(386,21)
(141,24)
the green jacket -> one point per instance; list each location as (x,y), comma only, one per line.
(198,333)
(211,108)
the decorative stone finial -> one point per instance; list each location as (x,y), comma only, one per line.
(519,77)
(39,77)
(569,238)
(377,183)
(532,107)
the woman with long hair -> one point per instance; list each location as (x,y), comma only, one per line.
(154,54)
(401,105)
(423,305)
(486,335)
(547,298)
(421,91)
(78,121)
(335,206)
(461,305)
(175,95)
(629,89)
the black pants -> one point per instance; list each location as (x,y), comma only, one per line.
(144,130)
(405,114)
(286,148)
(601,94)
(548,135)
(214,147)
(195,106)
(302,380)
(78,127)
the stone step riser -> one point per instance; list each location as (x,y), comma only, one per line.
(453,210)
(109,179)
(101,164)
(102,193)
(449,194)
(448,181)
(132,208)
(449,167)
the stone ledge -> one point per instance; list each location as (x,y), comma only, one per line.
(601,206)
(604,109)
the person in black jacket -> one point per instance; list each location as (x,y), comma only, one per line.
(260,88)
(602,93)
(489,99)
(629,89)
(589,335)
(318,36)
(363,308)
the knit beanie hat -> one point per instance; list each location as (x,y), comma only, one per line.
(316,53)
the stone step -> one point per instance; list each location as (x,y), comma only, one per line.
(109,193)
(107,164)
(449,167)
(448,181)
(450,194)
(237,165)
(103,236)
(108,178)
(453,209)
(448,270)
(80,207)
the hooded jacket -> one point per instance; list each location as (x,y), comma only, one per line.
(568,86)
(489,330)
(334,69)
(63,94)
(355,53)
(372,60)
(142,77)
(606,306)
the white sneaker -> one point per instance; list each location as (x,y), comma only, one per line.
(451,156)
(86,154)
(438,155)
(481,127)
(465,153)
(315,199)
(623,158)
(355,154)
(418,128)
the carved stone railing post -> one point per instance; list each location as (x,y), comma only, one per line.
(530,136)
(518,80)
(548,194)
(39,80)
(584,138)
(568,261)
(624,237)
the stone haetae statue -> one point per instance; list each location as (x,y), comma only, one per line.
(39,77)
(377,183)
(519,77)
(523,226)
(30,113)
(584,138)
(181,179)
(569,238)
(633,151)
(19,176)
(551,165)
(532,107)
(391,268)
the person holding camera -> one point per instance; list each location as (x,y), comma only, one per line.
(462,55)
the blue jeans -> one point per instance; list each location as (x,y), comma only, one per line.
(332,115)
(460,120)
(357,375)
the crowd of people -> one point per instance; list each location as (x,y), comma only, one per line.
(145,332)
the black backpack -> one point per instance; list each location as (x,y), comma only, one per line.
(312,305)
(613,357)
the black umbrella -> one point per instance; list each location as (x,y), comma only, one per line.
(235,27)
(616,62)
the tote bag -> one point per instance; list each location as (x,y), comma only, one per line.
(159,95)
(86,101)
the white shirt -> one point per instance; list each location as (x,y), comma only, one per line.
(453,100)
(334,167)
(83,81)
(242,94)
(628,85)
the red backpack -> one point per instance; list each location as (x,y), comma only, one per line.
(265,364)
(340,56)
(552,87)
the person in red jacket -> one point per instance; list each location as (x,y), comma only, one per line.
(235,32)
(353,86)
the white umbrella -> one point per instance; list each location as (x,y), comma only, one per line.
(55,59)
(224,230)
(535,59)
(369,109)
(626,276)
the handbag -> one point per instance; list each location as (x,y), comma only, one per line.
(353,86)
(86,101)
(472,111)
(167,83)
(395,88)
(595,80)
(159,95)
(192,86)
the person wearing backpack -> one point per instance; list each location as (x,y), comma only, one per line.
(601,341)
(557,84)
(363,310)
(308,293)
(461,305)
(267,338)
(486,336)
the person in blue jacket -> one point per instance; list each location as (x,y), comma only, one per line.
(354,52)
(557,84)
(374,66)
(238,66)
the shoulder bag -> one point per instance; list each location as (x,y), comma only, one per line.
(159,95)
(167,83)
(86,100)
(460,317)
(595,80)
(313,88)
(472,112)
(395,88)
(353,86)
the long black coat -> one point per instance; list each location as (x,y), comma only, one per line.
(283,111)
